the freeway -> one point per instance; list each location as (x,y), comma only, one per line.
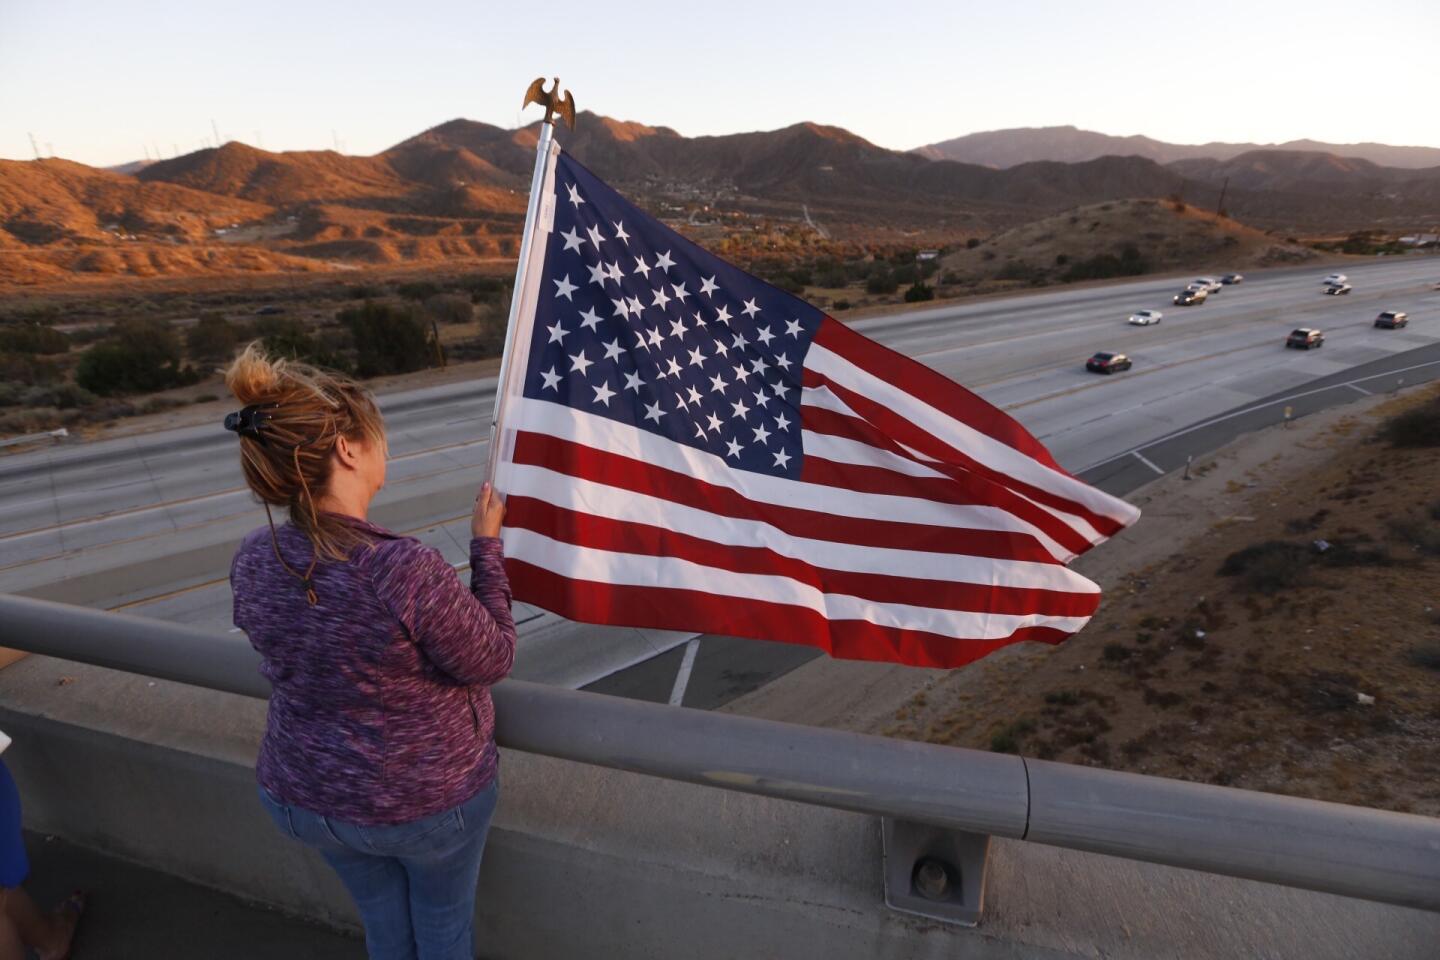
(148,523)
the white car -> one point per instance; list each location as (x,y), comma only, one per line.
(1335,279)
(1211,284)
(1143,318)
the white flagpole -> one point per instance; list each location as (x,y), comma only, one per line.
(539,215)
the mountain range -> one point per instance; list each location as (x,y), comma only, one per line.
(1067,144)
(457,191)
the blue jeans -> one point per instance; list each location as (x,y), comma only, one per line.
(414,883)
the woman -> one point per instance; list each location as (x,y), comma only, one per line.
(379,747)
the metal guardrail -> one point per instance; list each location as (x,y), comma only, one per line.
(57,434)
(1352,851)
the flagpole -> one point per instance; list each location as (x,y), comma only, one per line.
(553,104)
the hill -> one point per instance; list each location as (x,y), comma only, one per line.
(1068,144)
(48,201)
(457,192)
(1127,237)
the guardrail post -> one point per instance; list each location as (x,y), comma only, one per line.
(933,872)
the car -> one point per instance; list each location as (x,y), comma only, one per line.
(1392,319)
(269,311)
(1335,278)
(1143,318)
(1435,285)
(1210,284)
(1232,278)
(1304,338)
(1188,297)
(1108,362)
(1337,289)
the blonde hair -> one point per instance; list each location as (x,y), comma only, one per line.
(293,464)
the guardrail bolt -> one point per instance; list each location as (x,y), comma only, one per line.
(932,879)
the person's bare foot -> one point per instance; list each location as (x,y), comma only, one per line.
(64,920)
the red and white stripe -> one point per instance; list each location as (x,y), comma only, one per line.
(926,527)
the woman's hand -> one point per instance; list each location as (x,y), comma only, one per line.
(489,513)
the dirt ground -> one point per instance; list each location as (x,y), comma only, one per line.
(1313,672)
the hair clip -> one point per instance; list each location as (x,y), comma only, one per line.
(248,421)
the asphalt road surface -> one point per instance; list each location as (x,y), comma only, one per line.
(148,523)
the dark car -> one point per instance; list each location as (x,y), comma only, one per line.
(269,311)
(1232,278)
(1187,298)
(1108,362)
(1392,319)
(1305,338)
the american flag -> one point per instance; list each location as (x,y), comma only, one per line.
(687,447)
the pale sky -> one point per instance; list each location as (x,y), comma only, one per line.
(101,82)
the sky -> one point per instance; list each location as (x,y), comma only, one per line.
(104,83)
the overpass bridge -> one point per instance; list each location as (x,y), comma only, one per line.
(632,829)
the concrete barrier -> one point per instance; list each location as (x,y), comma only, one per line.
(589,862)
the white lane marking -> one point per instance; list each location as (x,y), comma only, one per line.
(1141,457)
(682,676)
(1359,389)
(1259,406)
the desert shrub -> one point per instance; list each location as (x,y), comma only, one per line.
(83,336)
(881,283)
(842,304)
(831,275)
(1269,567)
(786,281)
(27,369)
(919,292)
(33,338)
(1007,739)
(63,396)
(205,398)
(1348,553)
(1019,270)
(212,338)
(450,308)
(1422,535)
(142,355)
(1419,427)
(972,243)
(388,339)
(1129,263)
(158,404)
(363,291)
(417,290)
(906,273)
(1061,259)
(286,337)
(485,287)
(1116,652)
(1426,654)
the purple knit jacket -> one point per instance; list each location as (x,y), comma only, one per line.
(381,709)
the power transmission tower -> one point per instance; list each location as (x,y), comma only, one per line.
(216,129)
(34,146)
(1220,207)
